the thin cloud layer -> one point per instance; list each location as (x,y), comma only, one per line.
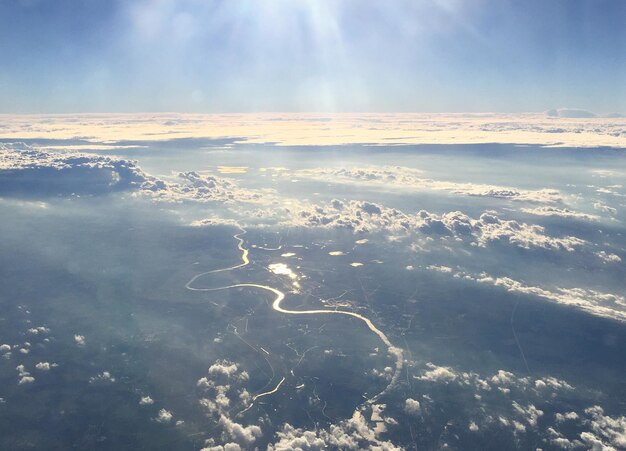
(411,179)
(302,129)
(598,303)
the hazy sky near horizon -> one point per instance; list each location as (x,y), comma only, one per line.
(312,55)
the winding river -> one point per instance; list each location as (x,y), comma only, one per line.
(276,305)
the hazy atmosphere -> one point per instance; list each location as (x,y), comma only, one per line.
(310,225)
(312,55)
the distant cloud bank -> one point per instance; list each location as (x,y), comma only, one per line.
(570,113)
(562,127)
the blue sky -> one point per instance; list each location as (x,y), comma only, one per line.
(312,55)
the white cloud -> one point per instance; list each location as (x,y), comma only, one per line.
(560,213)
(361,217)
(522,409)
(438,374)
(594,443)
(222,394)
(608,258)
(223,368)
(226,447)
(38,330)
(70,172)
(65,172)
(226,369)
(146,401)
(440,268)
(604,208)
(80,340)
(312,129)
(104,376)
(209,405)
(489,227)
(530,413)
(243,435)
(352,434)
(412,406)
(210,222)
(598,303)
(411,179)
(552,383)
(164,416)
(610,431)
(26,380)
(568,416)
(45,366)
(222,401)
(207,188)
(504,378)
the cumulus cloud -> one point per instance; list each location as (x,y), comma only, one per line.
(352,434)
(104,376)
(608,258)
(567,416)
(45,366)
(412,406)
(38,330)
(80,340)
(520,404)
(223,368)
(25,170)
(164,416)
(610,431)
(222,394)
(501,380)
(26,380)
(199,187)
(24,375)
(146,401)
(362,216)
(226,447)
(243,435)
(438,374)
(489,227)
(603,432)
(530,413)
